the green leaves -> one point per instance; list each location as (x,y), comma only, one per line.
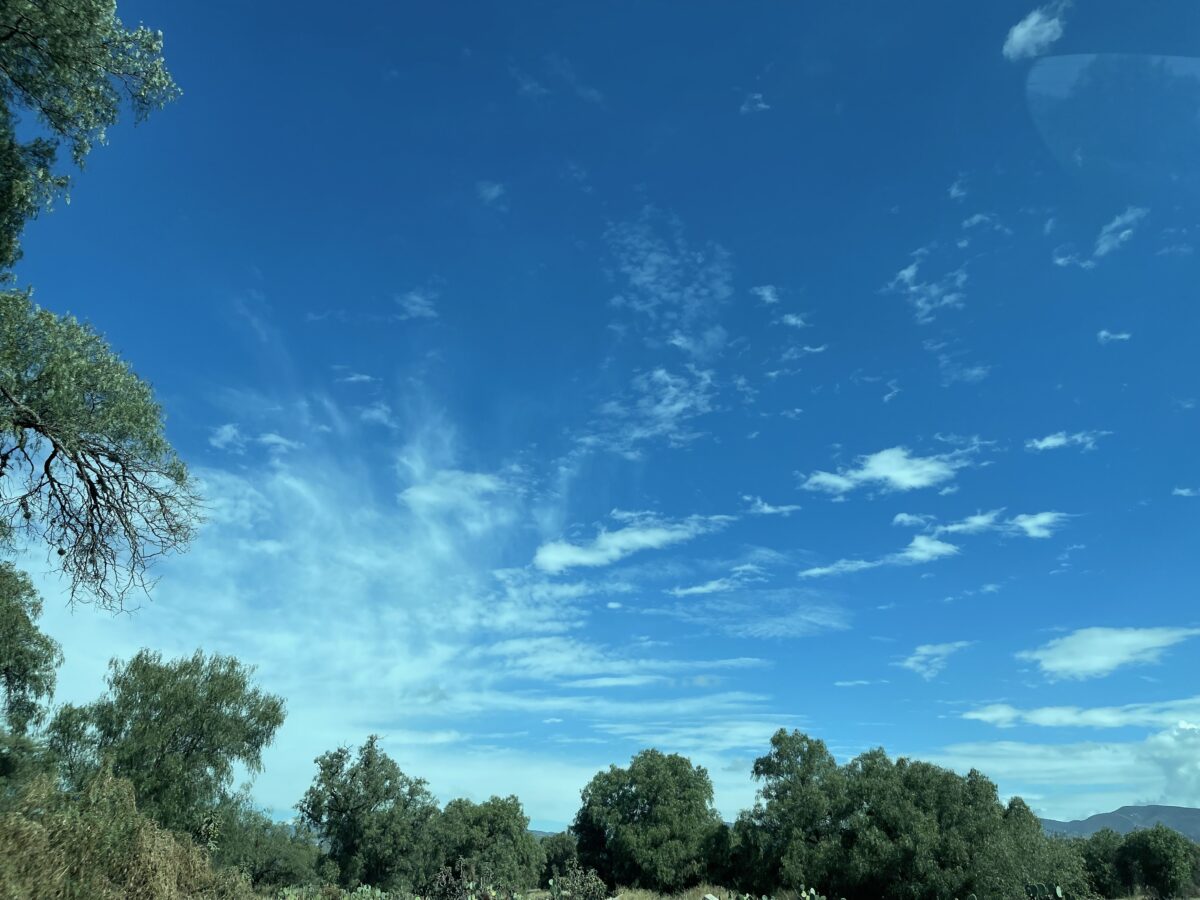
(88,468)
(493,835)
(174,730)
(374,821)
(28,658)
(72,66)
(648,825)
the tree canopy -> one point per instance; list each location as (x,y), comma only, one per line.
(375,822)
(84,463)
(71,66)
(490,836)
(172,729)
(648,825)
(28,657)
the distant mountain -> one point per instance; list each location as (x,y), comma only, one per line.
(1183,819)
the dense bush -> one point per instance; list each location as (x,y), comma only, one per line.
(97,846)
(271,854)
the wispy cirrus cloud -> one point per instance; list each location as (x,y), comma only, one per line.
(922,548)
(661,405)
(1085,439)
(1097,652)
(1159,714)
(1032,525)
(760,507)
(929,660)
(927,296)
(1105,337)
(638,531)
(675,290)
(1112,237)
(893,469)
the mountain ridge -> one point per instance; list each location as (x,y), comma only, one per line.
(1184,819)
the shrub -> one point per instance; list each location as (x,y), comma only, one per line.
(97,846)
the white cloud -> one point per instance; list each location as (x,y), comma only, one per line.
(957,191)
(644,531)
(893,469)
(1185,492)
(661,406)
(767,293)
(759,507)
(1096,652)
(1034,34)
(490,193)
(1118,231)
(794,321)
(908,520)
(1085,439)
(928,660)
(921,549)
(1159,715)
(416,304)
(754,103)
(1104,336)
(927,297)
(227,437)
(675,290)
(1038,525)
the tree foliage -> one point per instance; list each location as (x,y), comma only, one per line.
(271,854)
(557,850)
(84,464)
(71,66)
(1159,860)
(375,823)
(173,729)
(493,835)
(28,657)
(648,825)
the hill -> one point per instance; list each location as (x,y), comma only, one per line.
(1183,819)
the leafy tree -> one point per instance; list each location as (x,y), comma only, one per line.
(494,836)
(375,822)
(69,65)
(1157,859)
(1100,852)
(271,854)
(647,825)
(173,729)
(802,792)
(558,850)
(28,658)
(84,464)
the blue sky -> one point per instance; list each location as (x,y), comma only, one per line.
(569,380)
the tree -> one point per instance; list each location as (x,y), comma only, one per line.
(271,854)
(70,65)
(1100,852)
(558,850)
(84,464)
(375,822)
(1159,859)
(493,836)
(28,658)
(801,793)
(173,729)
(648,825)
